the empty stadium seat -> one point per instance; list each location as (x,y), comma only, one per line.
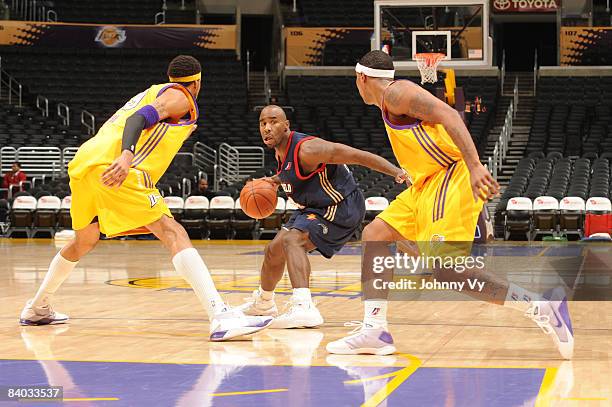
(598,216)
(545,216)
(518,218)
(195,210)
(5,208)
(571,216)
(273,223)
(374,206)
(220,214)
(241,223)
(290,208)
(22,215)
(45,217)
(64,220)
(176,206)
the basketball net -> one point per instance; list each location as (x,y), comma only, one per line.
(428,66)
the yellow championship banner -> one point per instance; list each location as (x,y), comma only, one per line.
(61,35)
(307,46)
(585,46)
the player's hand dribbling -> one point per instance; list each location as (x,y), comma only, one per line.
(272,180)
(484,185)
(118,171)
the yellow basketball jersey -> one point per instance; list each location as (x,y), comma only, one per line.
(156,146)
(422,149)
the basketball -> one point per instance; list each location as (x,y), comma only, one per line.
(258,199)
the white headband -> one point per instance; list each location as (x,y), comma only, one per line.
(375,73)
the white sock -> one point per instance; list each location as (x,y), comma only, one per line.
(266,295)
(302,295)
(519,298)
(58,271)
(191,267)
(375,313)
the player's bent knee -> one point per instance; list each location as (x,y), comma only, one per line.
(84,244)
(293,238)
(275,251)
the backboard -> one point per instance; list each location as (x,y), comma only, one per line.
(457,28)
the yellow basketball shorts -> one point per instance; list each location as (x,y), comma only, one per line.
(120,211)
(442,210)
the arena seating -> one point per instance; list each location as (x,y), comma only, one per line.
(573,116)
(26,126)
(108,11)
(338,13)
(555,177)
(331,107)
(53,73)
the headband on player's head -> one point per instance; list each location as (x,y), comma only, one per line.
(184,79)
(375,73)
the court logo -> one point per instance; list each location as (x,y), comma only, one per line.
(110,36)
(154,199)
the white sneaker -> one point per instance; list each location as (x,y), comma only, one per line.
(369,340)
(31,315)
(233,323)
(298,315)
(554,319)
(255,305)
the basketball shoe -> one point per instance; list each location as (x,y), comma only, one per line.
(364,339)
(32,315)
(299,314)
(256,305)
(552,315)
(233,323)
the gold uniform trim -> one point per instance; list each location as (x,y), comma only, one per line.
(328,188)
(330,213)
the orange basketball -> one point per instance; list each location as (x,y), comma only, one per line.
(258,198)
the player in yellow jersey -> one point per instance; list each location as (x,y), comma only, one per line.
(113,177)
(449,187)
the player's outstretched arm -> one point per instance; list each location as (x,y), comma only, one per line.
(406,98)
(316,151)
(173,103)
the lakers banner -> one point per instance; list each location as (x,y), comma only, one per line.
(117,36)
(313,45)
(586,46)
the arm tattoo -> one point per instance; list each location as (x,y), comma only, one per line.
(393,96)
(162,111)
(420,106)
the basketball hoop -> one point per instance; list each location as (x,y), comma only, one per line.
(428,64)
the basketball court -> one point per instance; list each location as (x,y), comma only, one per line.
(138,336)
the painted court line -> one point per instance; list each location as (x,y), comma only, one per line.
(368,379)
(93,399)
(546,387)
(399,378)
(240,393)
